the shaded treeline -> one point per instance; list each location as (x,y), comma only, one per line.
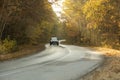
(26,20)
(92,22)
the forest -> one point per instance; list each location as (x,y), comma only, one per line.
(86,23)
(93,22)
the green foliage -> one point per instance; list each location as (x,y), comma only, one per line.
(8,46)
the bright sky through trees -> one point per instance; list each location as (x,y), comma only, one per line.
(57,6)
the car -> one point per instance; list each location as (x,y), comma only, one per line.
(54,41)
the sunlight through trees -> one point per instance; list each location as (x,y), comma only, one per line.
(82,22)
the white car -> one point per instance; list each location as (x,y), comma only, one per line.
(54,41)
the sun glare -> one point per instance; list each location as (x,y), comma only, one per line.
(57,7)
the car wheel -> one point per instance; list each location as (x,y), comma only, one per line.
(57,43)
(50,43)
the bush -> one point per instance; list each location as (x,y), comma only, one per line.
(8,46)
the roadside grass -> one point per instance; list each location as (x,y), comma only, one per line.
(24,50)
(110,70)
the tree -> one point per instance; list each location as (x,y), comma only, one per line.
(19,17)
(104,15)
(97,21)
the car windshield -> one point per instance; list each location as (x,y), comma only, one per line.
(54,38)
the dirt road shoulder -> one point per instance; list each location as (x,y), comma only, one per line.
(110,70)
(25,50)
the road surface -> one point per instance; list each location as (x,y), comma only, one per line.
(67,62)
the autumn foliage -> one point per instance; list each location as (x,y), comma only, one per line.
(85,22)
(97,21)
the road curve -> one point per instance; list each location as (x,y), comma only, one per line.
(66,62)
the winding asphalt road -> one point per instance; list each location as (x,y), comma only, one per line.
(67,62)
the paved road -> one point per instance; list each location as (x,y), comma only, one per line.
(54,63)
